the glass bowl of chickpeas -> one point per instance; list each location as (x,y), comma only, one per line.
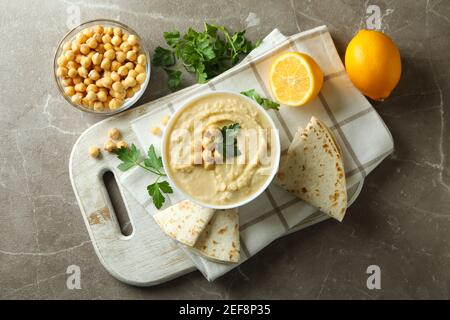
(101,66)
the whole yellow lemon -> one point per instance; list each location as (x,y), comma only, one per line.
(373,63)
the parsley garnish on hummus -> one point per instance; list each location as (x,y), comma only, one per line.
(227,147)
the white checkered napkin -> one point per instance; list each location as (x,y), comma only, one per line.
(364,139)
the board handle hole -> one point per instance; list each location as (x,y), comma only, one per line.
(117,202)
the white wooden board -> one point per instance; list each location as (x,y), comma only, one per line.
(146,257)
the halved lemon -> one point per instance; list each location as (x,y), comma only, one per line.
(295,79)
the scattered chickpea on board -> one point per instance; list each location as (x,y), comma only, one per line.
(101,67)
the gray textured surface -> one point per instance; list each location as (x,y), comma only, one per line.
(401,221)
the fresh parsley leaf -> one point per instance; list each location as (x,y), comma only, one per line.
(174,78)
(266,103)
(172,38)
(165,187)
(163,57)
(153,161)
(155,193)
(129,157)
(227,146)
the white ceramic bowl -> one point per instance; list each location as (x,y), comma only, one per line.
(275,148)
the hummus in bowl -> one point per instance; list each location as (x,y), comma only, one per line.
(221,150)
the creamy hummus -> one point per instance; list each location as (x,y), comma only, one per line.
(195,158)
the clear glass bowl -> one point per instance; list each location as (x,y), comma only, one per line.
(71,36)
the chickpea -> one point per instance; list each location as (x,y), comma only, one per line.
(70,91)
(109,31)
(129,65)
(76,98)
(137,88)
(114,133)
(92,43)
(124,37)
(133,73)
(72,72)
(112,93)
(80,87)
(120,95)
(107,82)
(108,46)
(125,47)
(137,48)
(129,82)
(91,96)
(117,31)
(142,59)
(94,152)
(121,56)
(102,96)
(81,38)
(72,64)
(106,39)
(131,56)
(115,103)
(70,56)
(61,71)
(139,68)
(84,48)
(141,78)
(109,145)
(86,62)
(97,59)
(155,131)
(110,54)
(77,80)
(98,106)
(88,32)
(67,46)
(130,93)
(75,47)
(116,41)
(132,40)
(98,29)
(165,119)
(106,64)
(122,71)
(92,88)
(115,65)
(122,144)
(117,86)
(87,82)
(115,76)
(67,82)
(62,61)
(78,58)
(82,71)
(94,75)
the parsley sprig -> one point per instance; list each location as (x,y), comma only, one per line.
(205,54)
(266,103)
(131,157)
(227,146)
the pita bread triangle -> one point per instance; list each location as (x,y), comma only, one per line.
(313,170)
(219,241)
(184,221)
